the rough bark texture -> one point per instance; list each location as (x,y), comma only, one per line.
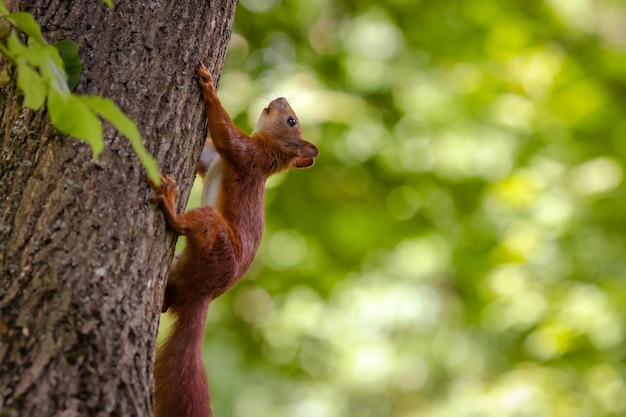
(83,251)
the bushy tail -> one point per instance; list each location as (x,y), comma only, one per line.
(181,388)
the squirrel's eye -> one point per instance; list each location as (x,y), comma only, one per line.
(291,121)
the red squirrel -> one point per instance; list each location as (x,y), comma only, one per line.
(222,236)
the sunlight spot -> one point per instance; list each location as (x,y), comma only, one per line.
(370,365)
(377,306)
(417,258)
(494,159)
(513,111)
(577,12)
(235,90)
(411,373)
(605,383)
(422,97)
(473,153)
(517,190)
(323,35)
(252,304)
(285,249)
(367,73)
(508,280)
(607,333)
(301,311)
(611,25)
(524,310)
(520,302)
(513,398)
(373,36)
(312,407)
(586,309)
(412,154)
(253,401)
(365,140)
(315,106)
(596,176)
(523,238)
(536,71)
(549,341)
(554,209)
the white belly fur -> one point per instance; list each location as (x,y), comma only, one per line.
(212,180)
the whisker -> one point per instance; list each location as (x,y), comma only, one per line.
(293,97)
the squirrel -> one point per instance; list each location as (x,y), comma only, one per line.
(223,236)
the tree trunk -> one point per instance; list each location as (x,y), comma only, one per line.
(84,254)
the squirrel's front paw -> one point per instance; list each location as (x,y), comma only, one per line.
(167,188)
(206,80)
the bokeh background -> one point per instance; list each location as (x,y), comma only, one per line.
(459,247)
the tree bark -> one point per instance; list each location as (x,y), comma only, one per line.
(84,254)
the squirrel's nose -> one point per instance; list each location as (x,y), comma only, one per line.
(280,101)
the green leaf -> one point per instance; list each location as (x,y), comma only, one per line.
(5,76)
(57,74)
(33,86)
(15,47)
(59,69)
(5,29)
(70,115)
(27,24)
(68,50)
(107,109)
(107,2)
(3,8)
(45,57)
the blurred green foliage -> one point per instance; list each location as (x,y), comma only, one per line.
(459,247)
(47,74)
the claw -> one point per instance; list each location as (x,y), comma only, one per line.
(158,199)
(206,80)
(168,186)
(203,71)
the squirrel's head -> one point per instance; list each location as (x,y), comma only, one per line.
(279,124)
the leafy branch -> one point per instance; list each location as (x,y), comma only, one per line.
(47,74)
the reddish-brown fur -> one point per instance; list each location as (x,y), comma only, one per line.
(221,240)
